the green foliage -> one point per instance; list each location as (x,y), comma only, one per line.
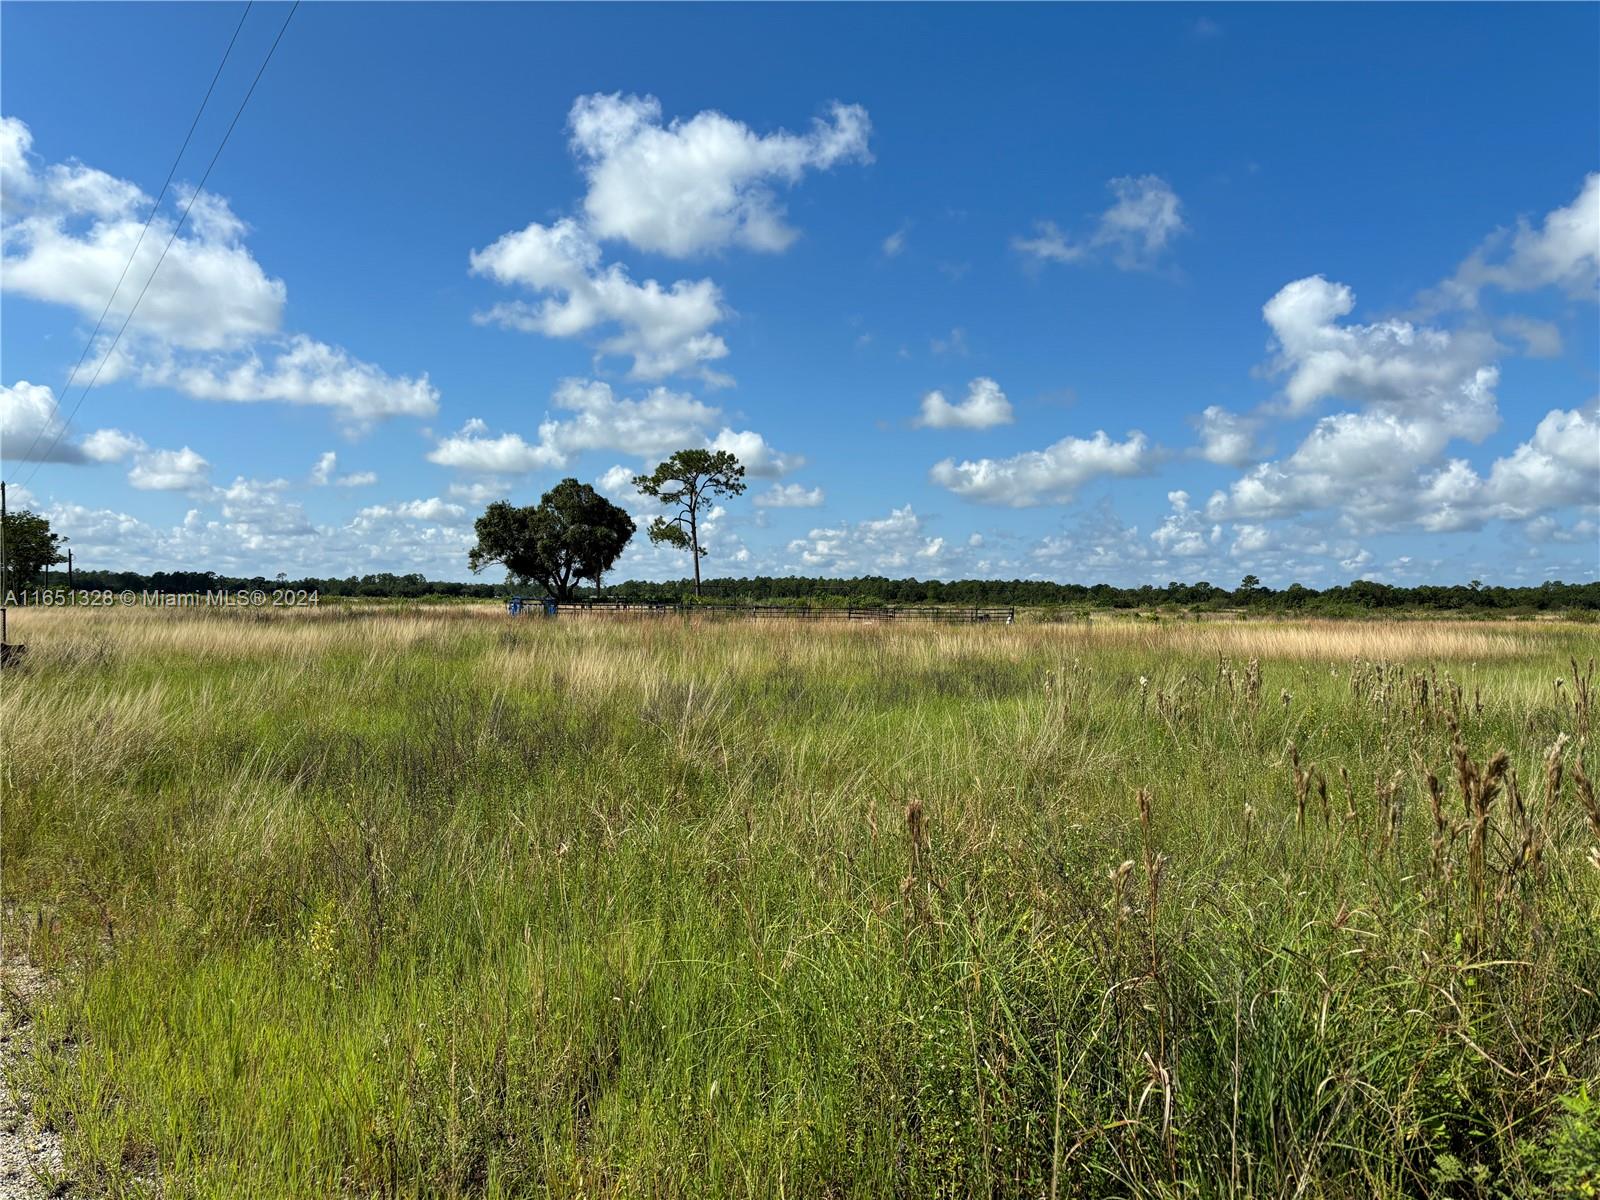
(574,533)
(1567,1156)
(1574,601)
(685,482)
(1354,600)
(690,474)
(30,546)
(669,533)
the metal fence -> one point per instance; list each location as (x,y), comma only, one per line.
(949,614)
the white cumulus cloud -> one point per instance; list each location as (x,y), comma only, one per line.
(1391,363)
(432,509)
(753,451)
(657,423)
(677,189)
(508,454)
(72,229)
(1045,476)
(300,371)
(1557,467)
(985,406)
(110,445)
(1226,438)
(210,312)
(1183,533)
(699,184)
(170,471)
(588,415)
(664,330)
(1417,389)
(1562,252)
(1363,463)
(29,418)
(31,429)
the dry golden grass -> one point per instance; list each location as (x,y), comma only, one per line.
(623,644)
(1339,641)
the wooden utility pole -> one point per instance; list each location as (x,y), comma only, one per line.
(3,561)
(69,570)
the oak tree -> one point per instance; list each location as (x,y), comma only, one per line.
(28,546)
(572,534)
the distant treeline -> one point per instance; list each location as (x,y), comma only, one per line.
(1358,596)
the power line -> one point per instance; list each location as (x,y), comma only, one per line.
(154,208)
(176,229)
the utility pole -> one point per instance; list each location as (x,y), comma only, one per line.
(3,561)
(69,570)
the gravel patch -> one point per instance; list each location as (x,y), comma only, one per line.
(31,1166)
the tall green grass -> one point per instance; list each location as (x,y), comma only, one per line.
(434,903)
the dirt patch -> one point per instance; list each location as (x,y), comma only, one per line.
(31,1166)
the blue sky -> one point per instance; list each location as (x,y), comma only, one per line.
(1089,293)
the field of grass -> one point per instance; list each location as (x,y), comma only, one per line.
(433,902)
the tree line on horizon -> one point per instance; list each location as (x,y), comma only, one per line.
(864,591)
(565,545)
